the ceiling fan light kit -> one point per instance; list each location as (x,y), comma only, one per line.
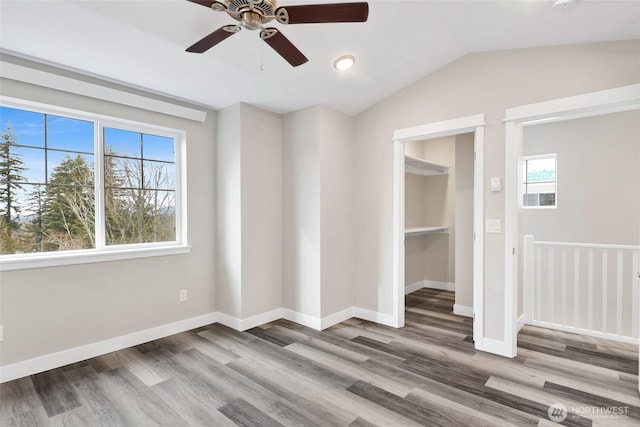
(254,14)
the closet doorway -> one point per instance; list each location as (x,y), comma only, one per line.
(438,215)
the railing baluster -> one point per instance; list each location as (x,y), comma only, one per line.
(564,286)
(550,286)
(590,291)
(619,279)
(528,268)
(576,286)
(634,302)
(538,283)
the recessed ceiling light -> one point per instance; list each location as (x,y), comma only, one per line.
(344,62)
(563,4)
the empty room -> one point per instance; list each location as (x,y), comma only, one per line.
(291,213)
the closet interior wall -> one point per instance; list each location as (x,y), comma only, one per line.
(430,201)
(442,259)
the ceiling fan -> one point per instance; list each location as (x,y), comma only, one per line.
(253,14)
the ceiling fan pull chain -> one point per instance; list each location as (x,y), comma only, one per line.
(261,56)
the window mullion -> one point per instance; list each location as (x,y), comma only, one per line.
(99,185)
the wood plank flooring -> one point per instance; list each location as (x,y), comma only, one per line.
(356,373)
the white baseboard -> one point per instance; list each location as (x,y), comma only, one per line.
(336,318)
(443,286)
(375,316)
(587,332)
(520,322)
(250,322)
(413,287)
(55,360)
(77,354)
(462,310)
(302,319)
(495,346)
(431,284)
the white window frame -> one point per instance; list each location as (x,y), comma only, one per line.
(536,157)
(103,252)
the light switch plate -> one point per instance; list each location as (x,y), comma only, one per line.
(496,185)
(493,226)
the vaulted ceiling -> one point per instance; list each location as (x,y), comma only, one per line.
(142,44)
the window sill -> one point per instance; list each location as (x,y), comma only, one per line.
(55,259)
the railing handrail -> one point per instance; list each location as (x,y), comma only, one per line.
(587,245)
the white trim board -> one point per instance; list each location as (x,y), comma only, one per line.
(66,84)
(586,332)
(572,107)
(607,101)
(463,310)
(249,322)
(490,345)
(55,360)
(429,284)
(77,354)
(470,124)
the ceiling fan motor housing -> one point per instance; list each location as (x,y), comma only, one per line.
(251,13)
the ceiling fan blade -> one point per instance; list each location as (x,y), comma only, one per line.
(213,39)
(205,3)
(318,13)
(283,46)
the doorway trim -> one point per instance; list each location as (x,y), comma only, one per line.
(470,124)
(574,107)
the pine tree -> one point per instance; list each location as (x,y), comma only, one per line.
(11,169)
(68,215)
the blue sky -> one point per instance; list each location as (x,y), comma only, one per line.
(77,137)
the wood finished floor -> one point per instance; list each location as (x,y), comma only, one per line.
(356,373)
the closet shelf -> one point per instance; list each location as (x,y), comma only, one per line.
(418,166)
(417,231)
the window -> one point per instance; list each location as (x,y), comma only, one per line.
(539,181)
(139,192)
(72,181)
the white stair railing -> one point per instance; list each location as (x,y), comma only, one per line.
(586,288)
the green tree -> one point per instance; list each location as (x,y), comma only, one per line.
(68,214)
(11,169)
(34,229)
(135,212)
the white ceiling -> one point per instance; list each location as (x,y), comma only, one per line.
(142,42)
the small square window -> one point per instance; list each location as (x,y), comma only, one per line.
(539,181)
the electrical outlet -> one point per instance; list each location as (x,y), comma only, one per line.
(183,295)
(1,333)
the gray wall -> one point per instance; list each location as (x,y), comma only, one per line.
(337,154)
(249,205)
(478,83)
(598,199)
(46,310)
(318,158)
(442,200)
(429,201)
(464,219)
(301,211)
